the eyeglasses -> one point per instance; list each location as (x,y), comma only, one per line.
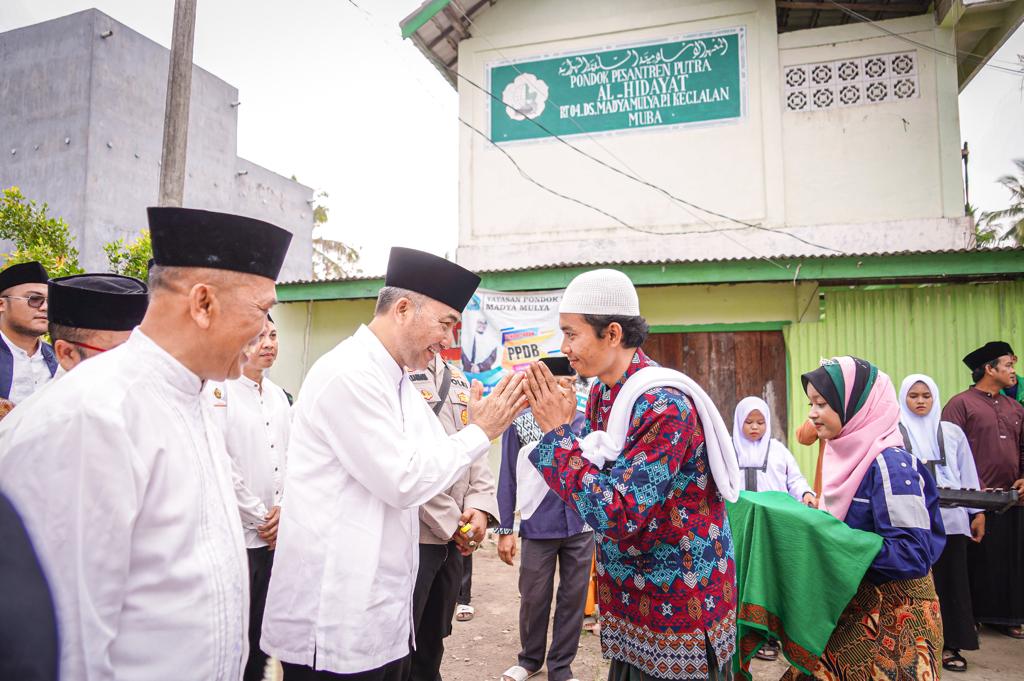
(88,347)
(35,301)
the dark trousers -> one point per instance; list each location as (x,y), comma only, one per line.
(953,587)
(261,561)
(466,591)
(433,604)
(536,586)
(996,567)
(392,671)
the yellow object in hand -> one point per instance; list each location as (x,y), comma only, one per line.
(466,529)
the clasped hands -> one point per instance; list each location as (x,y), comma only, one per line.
(552,401)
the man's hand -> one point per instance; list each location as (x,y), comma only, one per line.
(551,404)
(1019,486)
(978,528)
(506,547)
(268,530)
(5,407)
(810,500)
(468,542)
(494,413)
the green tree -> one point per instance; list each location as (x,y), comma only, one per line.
(36,235)
(132,258)
(332,259)
(1008,224)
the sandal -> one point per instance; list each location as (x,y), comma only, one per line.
(464,613)
(1013,632)
(517,673)
(769,652)
(953,661)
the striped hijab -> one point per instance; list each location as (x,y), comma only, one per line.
(865,400)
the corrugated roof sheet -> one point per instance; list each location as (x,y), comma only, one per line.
(678,261)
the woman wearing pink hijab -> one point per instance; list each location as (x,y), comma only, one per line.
(892,627)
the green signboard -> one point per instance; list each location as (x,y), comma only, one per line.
(699,78)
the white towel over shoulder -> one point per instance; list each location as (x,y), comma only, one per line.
(603,446)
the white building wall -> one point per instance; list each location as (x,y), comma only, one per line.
(813,174)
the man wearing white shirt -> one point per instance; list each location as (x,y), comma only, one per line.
(122,478)
(87,314)
(26,362)
(365,452)
(253,413)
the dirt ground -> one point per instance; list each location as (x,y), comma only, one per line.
(481,649)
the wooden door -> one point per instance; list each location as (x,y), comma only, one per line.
(730,366)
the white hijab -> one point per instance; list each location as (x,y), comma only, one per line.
(748,452)
(922,430)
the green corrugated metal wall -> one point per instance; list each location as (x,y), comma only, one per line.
(926,330)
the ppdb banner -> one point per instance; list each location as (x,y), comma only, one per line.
(503,332)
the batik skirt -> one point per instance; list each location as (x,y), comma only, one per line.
(888,631)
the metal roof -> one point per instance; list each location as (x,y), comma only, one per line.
(1019,250)
(437,27)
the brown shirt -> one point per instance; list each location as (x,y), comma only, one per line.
(994,425)
(439,517)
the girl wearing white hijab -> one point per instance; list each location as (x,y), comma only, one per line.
(766,465)
(944,449)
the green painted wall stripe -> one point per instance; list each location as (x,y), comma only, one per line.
(918,266)
(718,328)
(910,330)
(422,17)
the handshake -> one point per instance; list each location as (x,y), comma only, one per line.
(552,402)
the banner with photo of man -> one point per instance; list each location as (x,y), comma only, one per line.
(503,332)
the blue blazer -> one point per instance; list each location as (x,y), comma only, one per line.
(7,365)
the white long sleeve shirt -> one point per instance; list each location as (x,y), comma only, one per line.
(255,423)
(365,452)
(781,474)
(29,372)
(126,492)
(960,472)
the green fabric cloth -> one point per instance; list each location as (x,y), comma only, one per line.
(796,570)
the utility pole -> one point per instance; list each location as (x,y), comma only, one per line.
(179,91)
(965,154)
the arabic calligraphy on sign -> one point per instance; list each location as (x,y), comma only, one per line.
(696,49)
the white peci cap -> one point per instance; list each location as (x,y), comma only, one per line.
(601,292)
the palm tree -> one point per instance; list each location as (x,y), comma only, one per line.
(332,259)
(1008,223)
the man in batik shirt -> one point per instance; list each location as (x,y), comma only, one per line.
(664,551)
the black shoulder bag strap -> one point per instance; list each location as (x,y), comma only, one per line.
(444,389)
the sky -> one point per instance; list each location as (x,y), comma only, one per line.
(332,95)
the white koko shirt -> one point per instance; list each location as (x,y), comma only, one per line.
(365,452)
(29,372)
(125,488)
(255,425)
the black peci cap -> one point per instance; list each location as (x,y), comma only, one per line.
(986,353)
(108,302)
(187,237)
(432,276)
(23,273)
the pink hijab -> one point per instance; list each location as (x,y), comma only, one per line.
(865,399)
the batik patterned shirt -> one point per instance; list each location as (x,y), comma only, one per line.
(664,551)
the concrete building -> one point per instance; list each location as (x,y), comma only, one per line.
(842,133)
(806,122)
(81,128)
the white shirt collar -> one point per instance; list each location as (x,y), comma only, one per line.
(177,374)
(249,383)
(18,351)
(380,354)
